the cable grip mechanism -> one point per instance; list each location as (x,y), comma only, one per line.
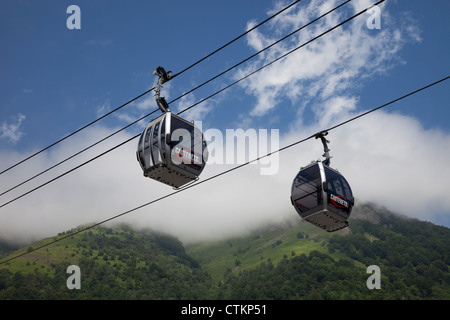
(326,150)
(163,77)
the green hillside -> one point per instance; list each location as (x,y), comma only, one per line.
(299,261)
(293,260)
(115,263)
(271,243)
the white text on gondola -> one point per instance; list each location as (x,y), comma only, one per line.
(339,200)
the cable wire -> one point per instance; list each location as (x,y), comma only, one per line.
(225,171)
(248,75)
(197,87)
(149,90)
(69,171)
(76,131)
(266,48)
(76,154)
(237,38)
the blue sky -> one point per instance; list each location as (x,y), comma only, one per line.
(54,80)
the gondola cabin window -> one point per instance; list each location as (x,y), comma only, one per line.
(307,189)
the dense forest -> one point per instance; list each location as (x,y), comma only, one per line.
(115,264)
(121,263)
(413,265)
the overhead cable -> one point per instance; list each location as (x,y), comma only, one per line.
(197,87)
(223,172)
(237,38)
(146,92)
(217,92)
(76,131)
(268,47)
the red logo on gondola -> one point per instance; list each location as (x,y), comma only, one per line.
(339,201)
(187,155)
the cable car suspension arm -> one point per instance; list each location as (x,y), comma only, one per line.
(163,77)
(325,142)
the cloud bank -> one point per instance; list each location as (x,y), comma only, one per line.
(388,158)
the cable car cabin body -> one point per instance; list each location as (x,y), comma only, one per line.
(172,150)
(322,196)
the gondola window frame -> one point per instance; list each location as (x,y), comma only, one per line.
(320,195)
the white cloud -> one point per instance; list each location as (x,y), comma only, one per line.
(103,108)
(94,192)
(12,132)
(198,112)
(330,65)
(334,109)
(147,103)
(393,161)
(388,158)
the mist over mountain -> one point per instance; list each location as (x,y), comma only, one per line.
(283,261)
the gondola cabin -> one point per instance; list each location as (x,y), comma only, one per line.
(172,150)
(322,196)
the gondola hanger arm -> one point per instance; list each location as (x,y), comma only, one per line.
(325,142)
(163,78)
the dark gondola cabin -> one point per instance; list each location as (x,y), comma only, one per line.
(322,196)
(172,150)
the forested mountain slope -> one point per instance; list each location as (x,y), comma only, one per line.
(114,263)
(292,260)
(299,261)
